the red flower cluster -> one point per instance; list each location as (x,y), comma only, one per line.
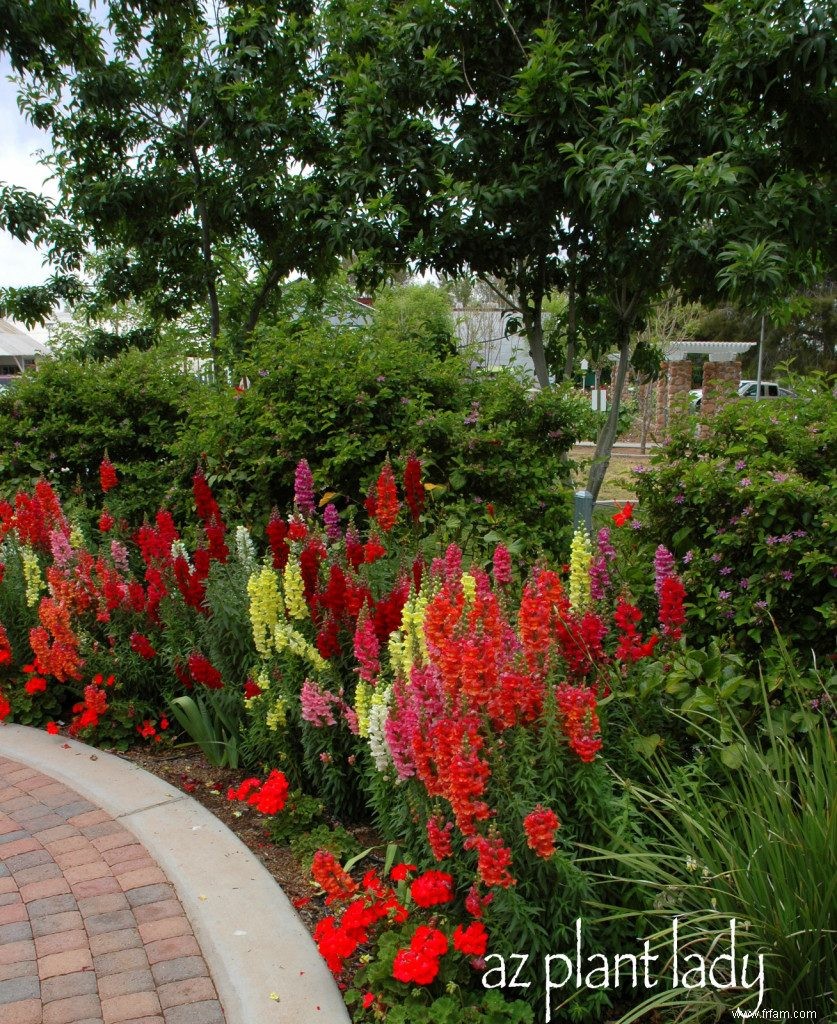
(438,836)
(338,940)
(432,888)
(631,645)
(5,646)
(386,499)
(672,615)
(471,940)
(204,672)
(107,475)
(493,860)
(210,515)
(540,826)
(90,710)
(54,644)
(419,964)
(413,487)
(106,521)
(580,720)
(330,876)
(141,645)
(269,796)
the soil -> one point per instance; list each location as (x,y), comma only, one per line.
(188,771)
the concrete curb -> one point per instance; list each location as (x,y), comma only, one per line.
(252,939)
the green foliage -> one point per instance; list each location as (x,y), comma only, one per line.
(336,840)
(750,508)
(59,421)
(221,103)
(462,1008)
(756,844)
(344,398)
(418,315)
(210,720)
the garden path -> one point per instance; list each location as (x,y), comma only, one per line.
(123,900)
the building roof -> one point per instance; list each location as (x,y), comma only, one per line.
(17,343)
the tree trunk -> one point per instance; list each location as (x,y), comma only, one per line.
(533,324)
(569,362)
(607,435)
(270,281)
(208,262)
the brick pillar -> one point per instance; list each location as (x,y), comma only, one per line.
(679,385)
(661,419)
(720,381)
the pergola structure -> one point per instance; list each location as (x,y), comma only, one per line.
(721,373)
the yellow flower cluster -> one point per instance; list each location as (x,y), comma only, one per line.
(580,558)
(294,590)
(362,705)
(277,716)
(469,587)
(395,645)
(413,645)
(32,576)
(265,608)
(287,638)
(76,536)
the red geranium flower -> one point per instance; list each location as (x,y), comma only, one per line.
(432,888)
(473,940)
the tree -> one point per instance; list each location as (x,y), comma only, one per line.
(188,153)
(580,146)
(523,141)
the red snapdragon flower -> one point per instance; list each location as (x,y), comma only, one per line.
(672,615)
(204,672)
(5,647)
(413,487)
(386,498)
(141,645)
(107,475)
(540,826)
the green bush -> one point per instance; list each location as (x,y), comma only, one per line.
(749,513)
(344,398)
(58,422)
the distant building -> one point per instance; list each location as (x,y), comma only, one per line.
(18,352)
(489,336)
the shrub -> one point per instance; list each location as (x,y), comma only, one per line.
(57,422)
(748,511)
(345,398)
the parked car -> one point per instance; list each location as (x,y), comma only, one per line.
(769,389)
(746,389)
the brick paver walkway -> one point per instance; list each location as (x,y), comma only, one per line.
(91,930)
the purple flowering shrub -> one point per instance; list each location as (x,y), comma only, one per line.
(748,513)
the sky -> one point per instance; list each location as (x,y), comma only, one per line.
(19,142)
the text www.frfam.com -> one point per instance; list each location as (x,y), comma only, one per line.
(765,1014)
